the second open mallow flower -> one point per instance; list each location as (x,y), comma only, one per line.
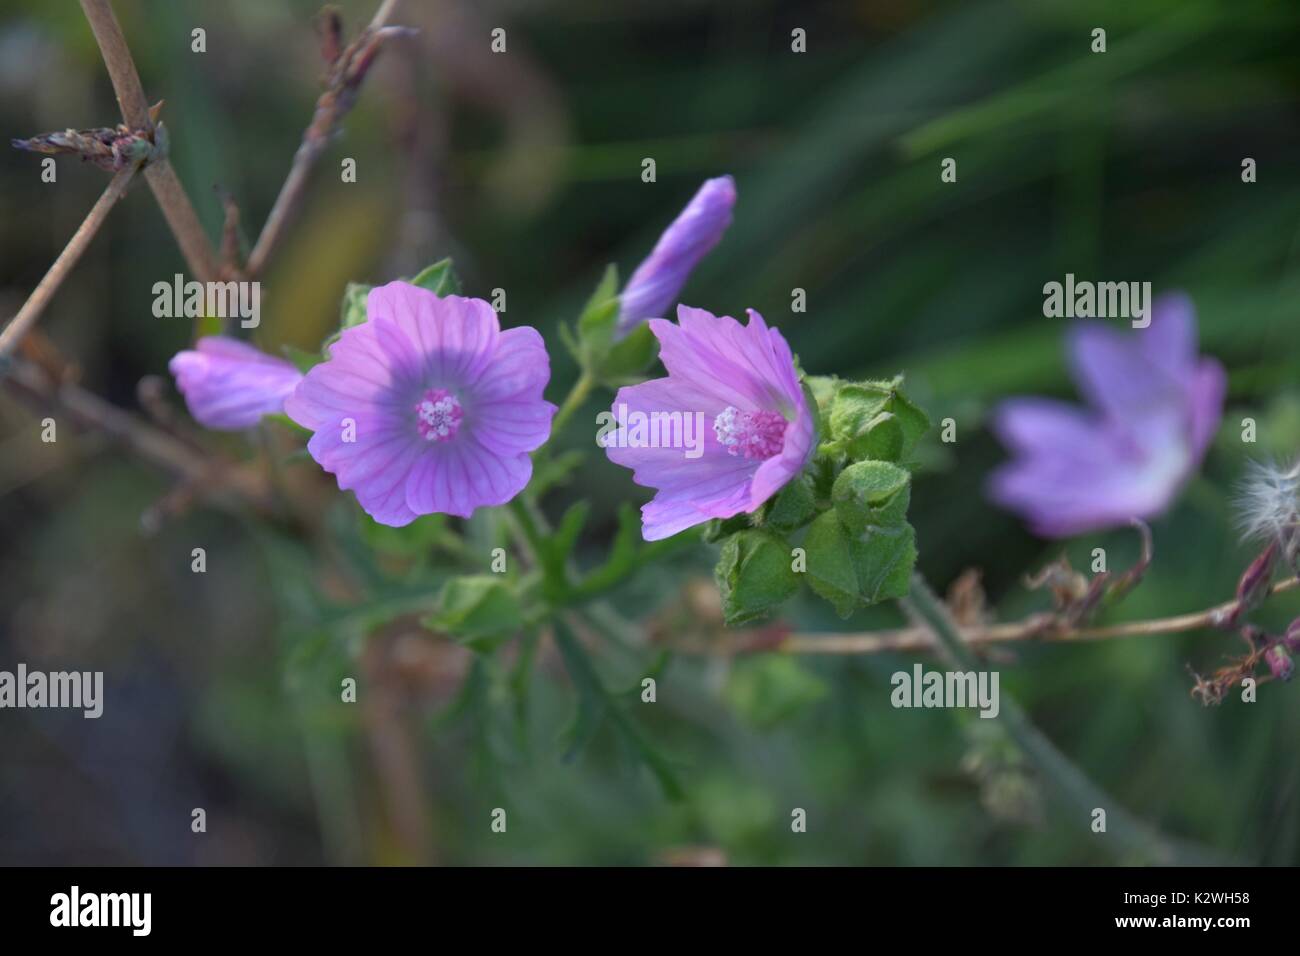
(742,382)
(427,406)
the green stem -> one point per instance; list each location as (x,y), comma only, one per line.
(572,402)
(1072,783)
(525,528)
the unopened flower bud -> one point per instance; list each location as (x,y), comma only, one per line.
(1279,662)
(1292,639)
(654,285)
(1255,583)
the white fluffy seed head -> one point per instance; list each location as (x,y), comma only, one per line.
(1268,502)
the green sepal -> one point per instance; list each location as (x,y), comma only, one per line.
(302,360)
(875,420)
(790,508)
(716,529)
(871,494)
(439,278)
(754,575)
(852,571)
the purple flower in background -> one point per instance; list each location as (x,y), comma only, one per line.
(756,431)
(229,385)
(428,406)
(653,288)
(1153,406)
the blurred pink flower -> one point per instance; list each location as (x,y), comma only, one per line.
(1153,407)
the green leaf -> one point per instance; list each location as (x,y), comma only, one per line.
(571,343)
(599,317)
(595,702)
(418,539)
(622,554)
(479,610)
(280,418)
(550,472)
(439,278)
(754,575)
(609,359)
(871,494)
(554,552)
(767,690)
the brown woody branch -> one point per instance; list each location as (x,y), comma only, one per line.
(1040,627)
(162,179)
(348,68)
(44,291)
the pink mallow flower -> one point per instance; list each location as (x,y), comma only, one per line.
(229,385)
(654,286)
(1153,407)
(739,383)
(427,406)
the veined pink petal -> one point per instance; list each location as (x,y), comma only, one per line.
(456,337)
(442,405)
(727,381)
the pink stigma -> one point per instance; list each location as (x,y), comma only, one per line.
(438,415)
(751,434)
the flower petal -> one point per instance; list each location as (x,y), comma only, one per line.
(1208,388)
(458,476)
(452,338)
(1115,374)
(374,464)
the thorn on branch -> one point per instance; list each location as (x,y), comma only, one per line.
(330,26)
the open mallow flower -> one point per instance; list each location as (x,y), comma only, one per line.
(654,286)
(1153,407)
(229,385)
(739,382)
(427,406)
